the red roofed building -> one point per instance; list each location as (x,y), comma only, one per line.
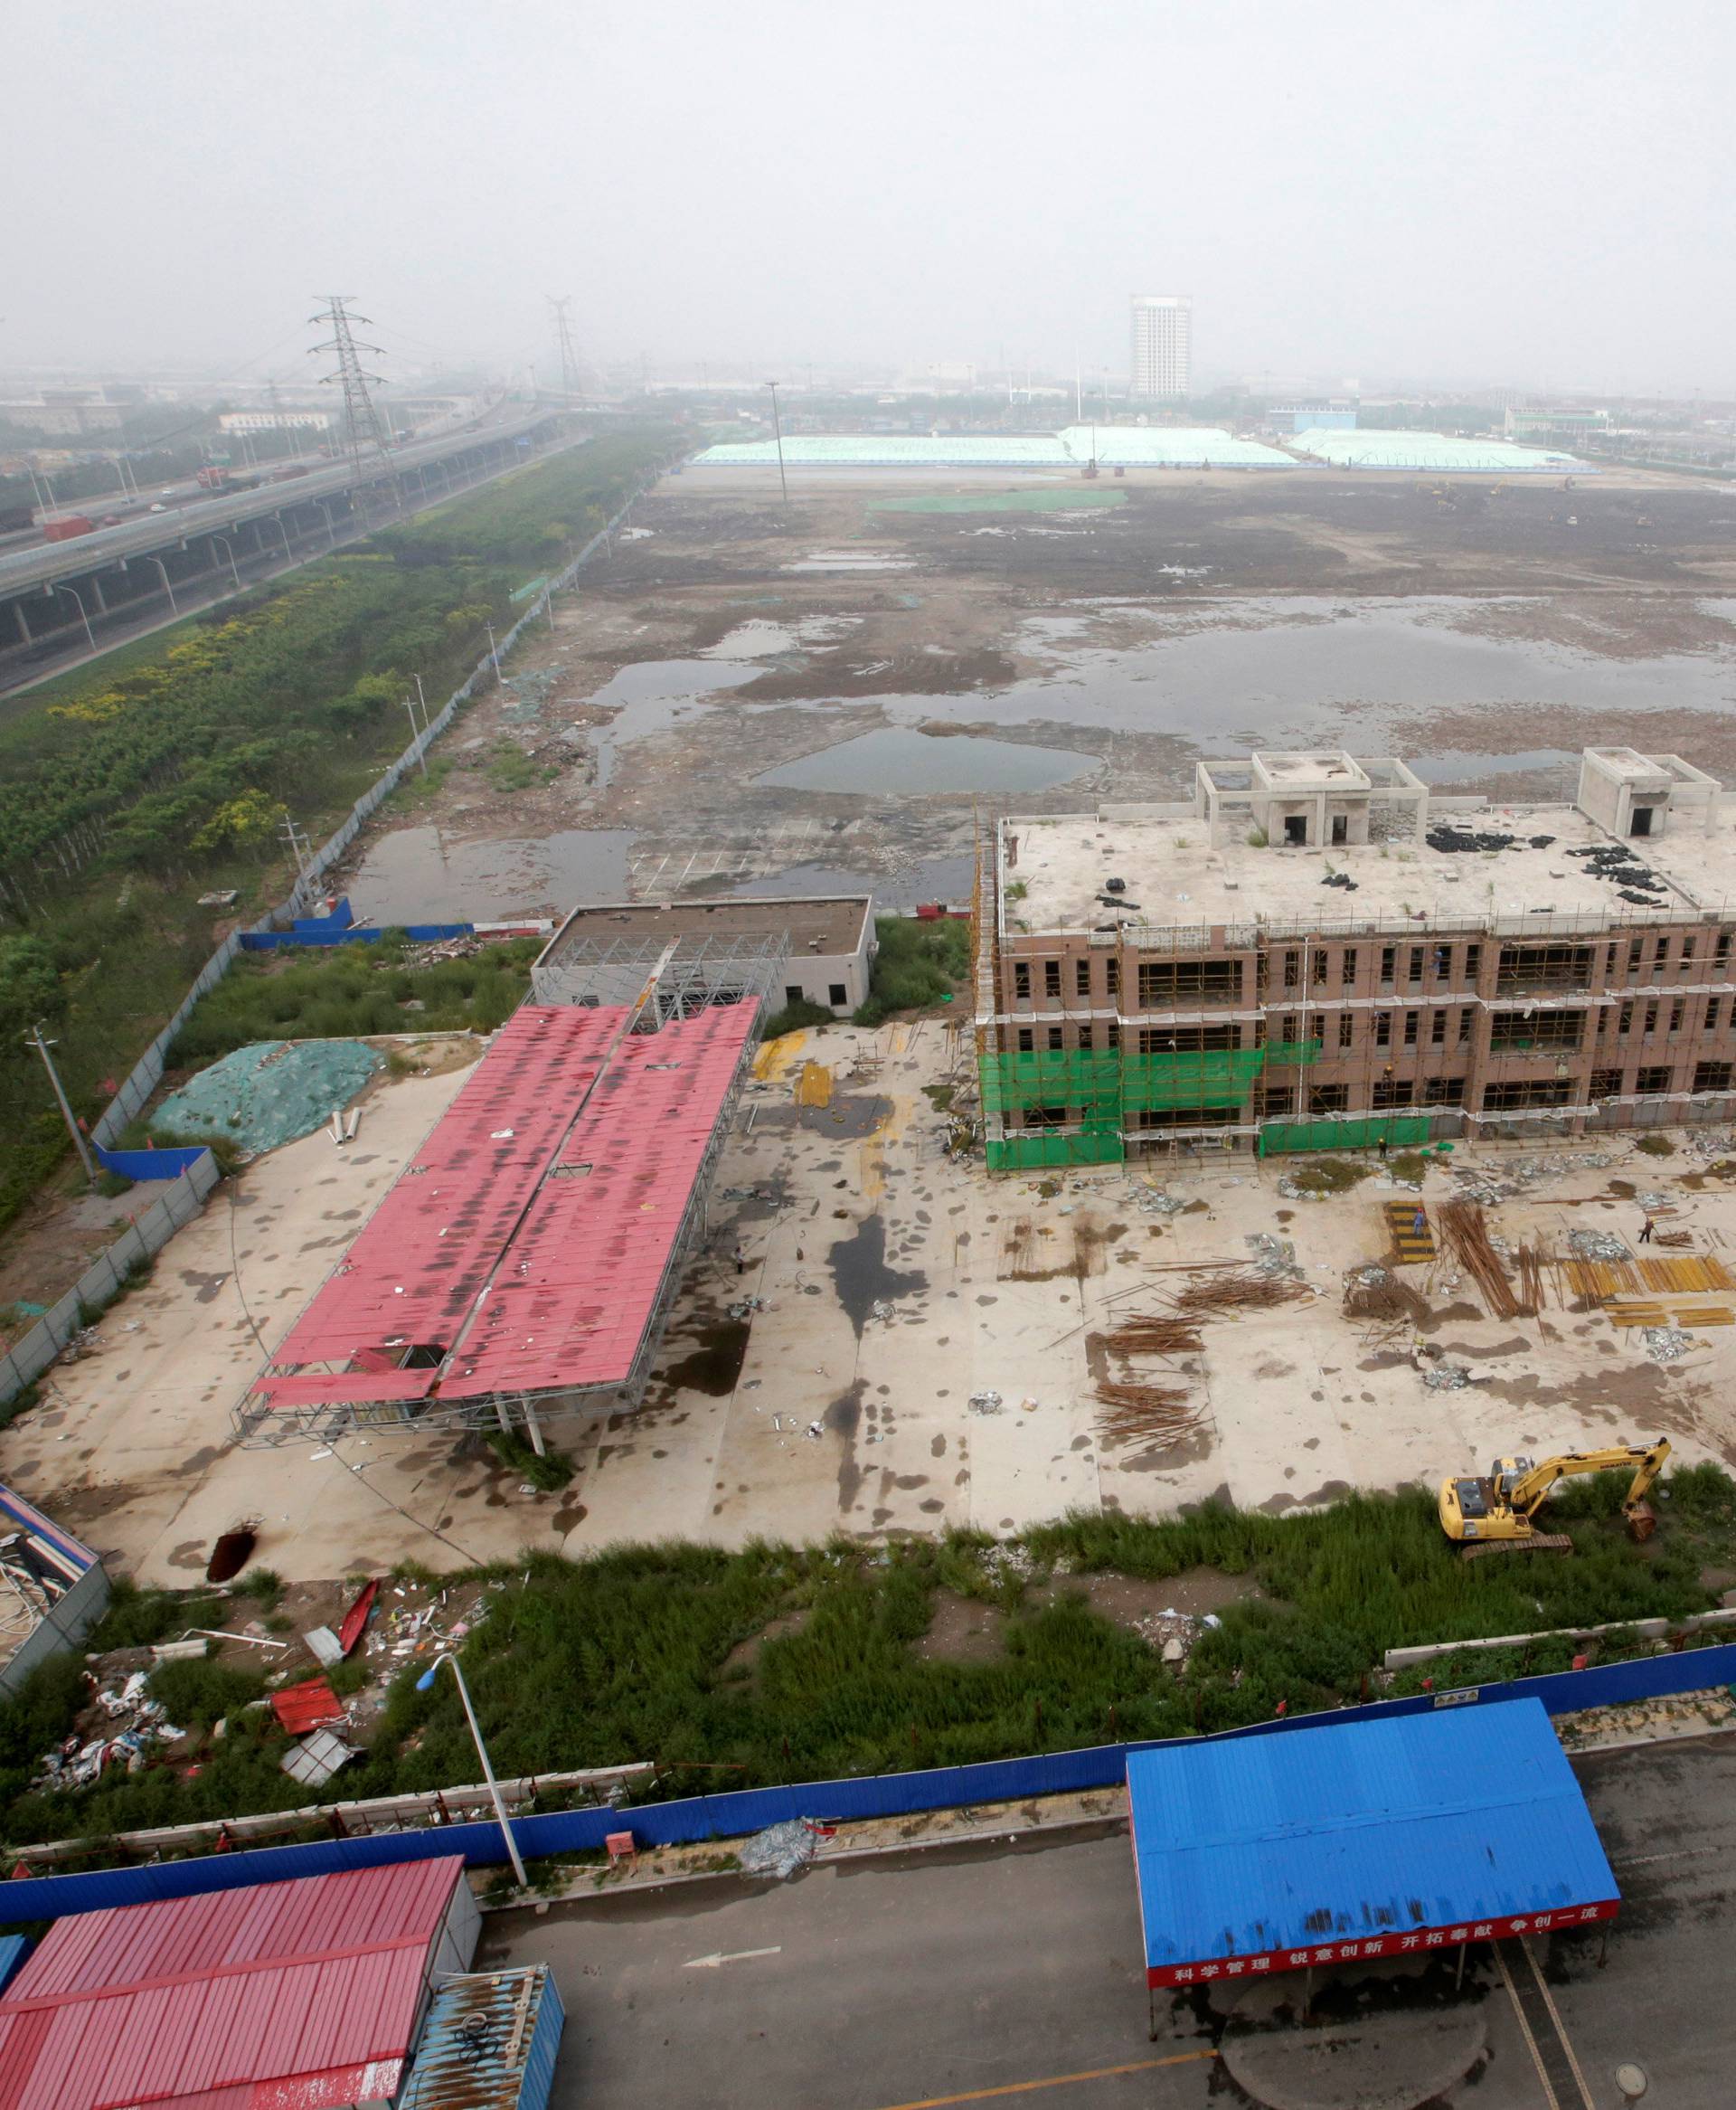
(301,1995)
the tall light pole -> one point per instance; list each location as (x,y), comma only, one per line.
(425,1683)
(35,1036)
(777,431)
(230,550)
(494,653)
(89,635)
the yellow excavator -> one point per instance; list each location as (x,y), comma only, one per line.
(1497,1515)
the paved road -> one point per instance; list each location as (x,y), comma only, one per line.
(970,1974)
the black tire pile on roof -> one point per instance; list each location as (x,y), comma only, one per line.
(1633,880)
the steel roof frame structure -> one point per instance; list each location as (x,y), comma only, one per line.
(527,1257)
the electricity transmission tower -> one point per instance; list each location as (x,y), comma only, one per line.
(569,368)
(362,425)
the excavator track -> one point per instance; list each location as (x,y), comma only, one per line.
(1538,1542)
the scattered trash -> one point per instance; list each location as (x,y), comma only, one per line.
(1273,1257)
(1589,1245)
(1157,1202)
(780,1849)
(880,1308)
(325,1646)
(985,1403)
(745,1307)
(1664,1344)
(1446,1377)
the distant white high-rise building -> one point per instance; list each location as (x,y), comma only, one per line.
(1163,343)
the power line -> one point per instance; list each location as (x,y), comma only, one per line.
(362,425)
(569,368)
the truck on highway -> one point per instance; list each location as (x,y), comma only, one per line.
(212,480)
(67,526)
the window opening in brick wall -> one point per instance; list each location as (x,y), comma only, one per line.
(1527,1092)
(1170,981)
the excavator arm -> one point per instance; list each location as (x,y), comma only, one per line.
(1528,1491)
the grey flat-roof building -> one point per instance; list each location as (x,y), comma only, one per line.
(816,949)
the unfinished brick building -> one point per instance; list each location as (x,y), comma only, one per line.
(1317,954)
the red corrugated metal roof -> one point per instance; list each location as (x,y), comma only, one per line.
(573,1299)
(274,1995)
(307,1706)
(525,1244)
(413,1273)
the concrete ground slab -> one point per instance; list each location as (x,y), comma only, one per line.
(889,1283)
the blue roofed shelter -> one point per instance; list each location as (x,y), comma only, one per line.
(1257,1854)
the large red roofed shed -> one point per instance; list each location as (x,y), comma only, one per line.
(532,1239)
(303,1995)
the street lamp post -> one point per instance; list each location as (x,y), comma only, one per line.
(228,550)
(35,1036)
(423,1684)
(89,635)
(778,433)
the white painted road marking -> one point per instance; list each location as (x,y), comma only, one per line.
(717,1963)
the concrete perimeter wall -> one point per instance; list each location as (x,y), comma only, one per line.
(178,1202)
(734,1815)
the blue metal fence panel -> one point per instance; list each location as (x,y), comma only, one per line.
(150,1164)
(303,935)
(747,1810)
(538,2083)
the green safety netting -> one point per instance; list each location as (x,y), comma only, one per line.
(1343,1135)
(268,1093)
(1092,1095)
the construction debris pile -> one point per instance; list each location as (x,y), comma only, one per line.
(1174,1634)
(1665,1344)
(780,1849)
(1490,1184)
(76,1764)
(1588,1244)
(1272,1255)
(1375,1292)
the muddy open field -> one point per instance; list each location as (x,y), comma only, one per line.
(835,691)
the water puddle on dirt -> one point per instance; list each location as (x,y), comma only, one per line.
(760,638)
(416,876)
(653,696)
(1458,765)
(899,757)
(1310,668)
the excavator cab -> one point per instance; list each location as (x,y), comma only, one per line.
(1483,1515)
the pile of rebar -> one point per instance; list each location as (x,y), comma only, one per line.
(1467,1233)
(1151,1334)
(1146,1414)
(1230,1294)
(1529,1259)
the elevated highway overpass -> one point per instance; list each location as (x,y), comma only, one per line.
(62,603)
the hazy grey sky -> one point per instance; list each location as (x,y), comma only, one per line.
(1539,191)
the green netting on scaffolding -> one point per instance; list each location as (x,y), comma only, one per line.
(1032,1149)
(268,1093)
(1391,1128)
(1052,1077)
